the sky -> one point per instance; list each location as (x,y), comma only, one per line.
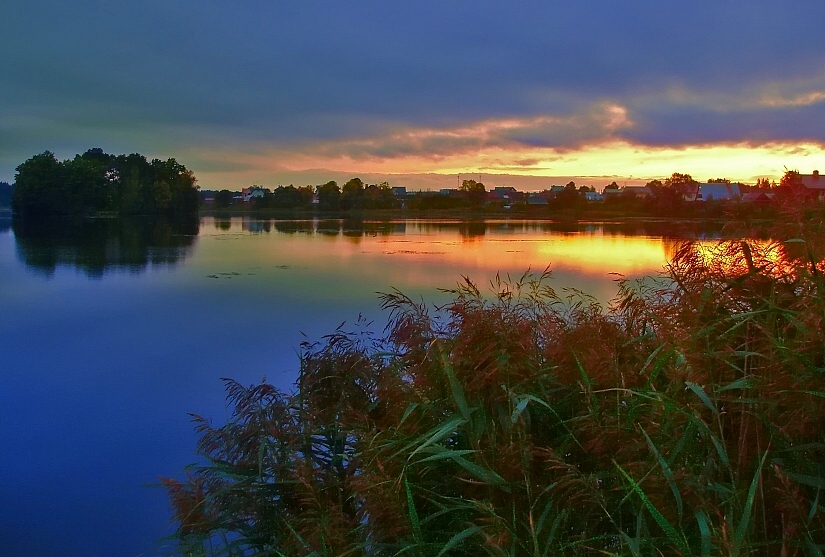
(422,94)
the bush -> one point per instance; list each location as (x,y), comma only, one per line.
(687,418)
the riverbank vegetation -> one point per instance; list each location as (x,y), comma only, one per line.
(676,197)
(96,182)
(687,418)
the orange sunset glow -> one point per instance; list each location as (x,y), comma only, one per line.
(595,163)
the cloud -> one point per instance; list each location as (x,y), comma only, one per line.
(560,132)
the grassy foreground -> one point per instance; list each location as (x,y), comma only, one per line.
(688,418)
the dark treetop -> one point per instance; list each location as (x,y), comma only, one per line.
(96,181)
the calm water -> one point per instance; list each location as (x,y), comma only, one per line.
(111,332)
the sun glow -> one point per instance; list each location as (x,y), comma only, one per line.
(625,161)
(736,161)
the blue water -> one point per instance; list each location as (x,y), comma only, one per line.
(111,333)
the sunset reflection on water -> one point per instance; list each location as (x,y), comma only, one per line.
(354,258)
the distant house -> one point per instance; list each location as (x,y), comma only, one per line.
(399,191)
(556,189)
(626,191)
(758,196)
(717,192)
(536,199)
(252,192)
(593,196)
(506,193)
(813,181)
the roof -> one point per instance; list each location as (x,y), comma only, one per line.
(717,192)
(813,181)
(628,190)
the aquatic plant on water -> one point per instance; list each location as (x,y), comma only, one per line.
(687,418)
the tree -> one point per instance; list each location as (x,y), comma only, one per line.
(668,198)
(87,188)
(223,199)
(96,181)
(39,186)
(569,197)
(612,186)
(5,194)
(353,188)
(307,193)
(475,192)
(762,184)
(352,194)
(682,184)
(329,196)
(791,179)
(719,181)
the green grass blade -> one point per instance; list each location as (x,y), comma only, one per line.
(668,473)
(458,538)
(484,474)
(413,514)
(585,377)
(700,392)
(741,383)
(705,532)
(744,520)
(664,524)
(814,481)
(410,409)
(435,435)
(441,454)
(551,537)
(458,392)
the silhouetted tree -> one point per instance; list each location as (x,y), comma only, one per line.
(223,199)
(475,192)
(791,179)
(352,194)
(96,181)
(5,194)
(682,184)
(329,196)
(39,186)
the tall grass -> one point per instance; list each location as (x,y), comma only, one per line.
(687,418)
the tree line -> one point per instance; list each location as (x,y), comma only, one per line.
(354,195)
(97,182)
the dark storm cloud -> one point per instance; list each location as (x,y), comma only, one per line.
(696,126)
(156,75)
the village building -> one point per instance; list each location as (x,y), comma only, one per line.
(717,192)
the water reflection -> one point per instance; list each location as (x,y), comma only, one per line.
(417,255)
(96,246)
(5,224)
(472,229)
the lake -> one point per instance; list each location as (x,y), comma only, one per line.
(112,331)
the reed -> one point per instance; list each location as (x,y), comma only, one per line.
(686,418)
